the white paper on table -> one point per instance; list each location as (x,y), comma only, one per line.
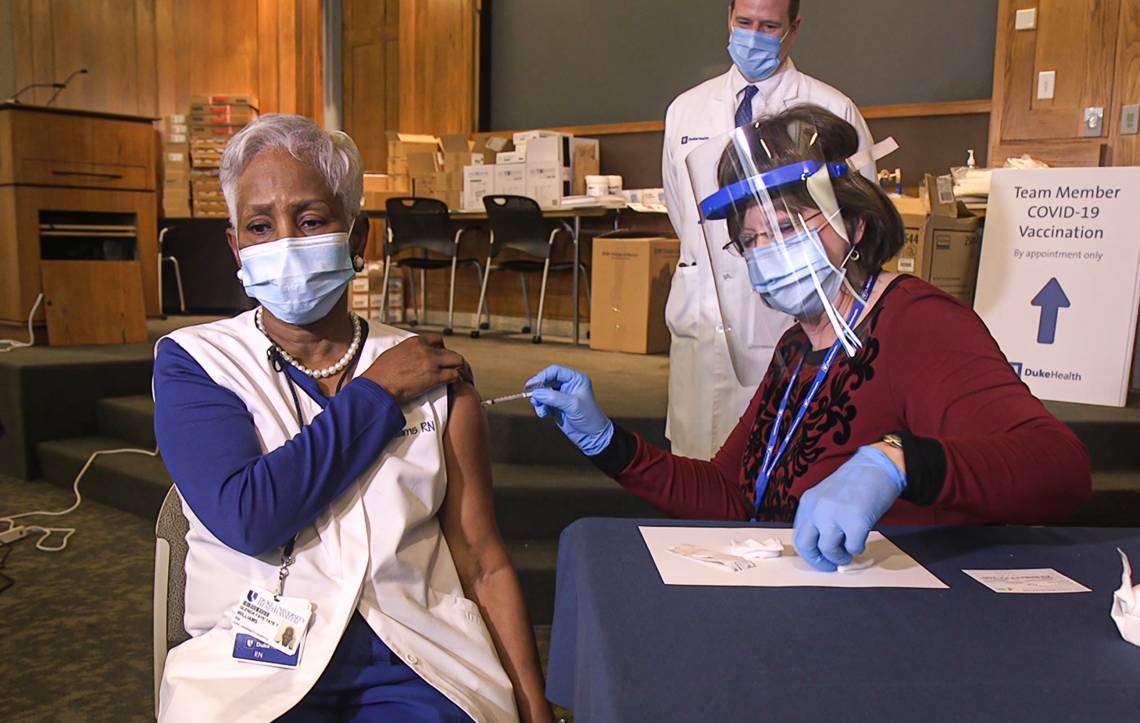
(892,567)
(1124,612)
(1043,580)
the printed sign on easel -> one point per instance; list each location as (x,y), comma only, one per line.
(1059,280)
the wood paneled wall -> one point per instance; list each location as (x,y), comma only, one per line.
(147,57)
(410,66)
(1094,48)
(439,69)
(371,63)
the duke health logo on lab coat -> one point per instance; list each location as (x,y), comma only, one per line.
(693,139)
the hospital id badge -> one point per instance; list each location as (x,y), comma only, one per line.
(281,623)
(251,650)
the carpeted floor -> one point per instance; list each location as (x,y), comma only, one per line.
(75,642)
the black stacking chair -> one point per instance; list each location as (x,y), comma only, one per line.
(516,223)
(414,222)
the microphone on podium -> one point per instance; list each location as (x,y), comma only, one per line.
(60,86)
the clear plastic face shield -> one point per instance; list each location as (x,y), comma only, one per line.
(772,225)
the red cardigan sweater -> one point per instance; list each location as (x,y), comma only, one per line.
(979,446)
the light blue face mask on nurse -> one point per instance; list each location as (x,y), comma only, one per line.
(300,279)
(795,276)
(756,54)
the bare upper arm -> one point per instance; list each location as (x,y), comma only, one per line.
(468,513)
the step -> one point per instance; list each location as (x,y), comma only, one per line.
(129,418)
(538,502)
(134,483)
(1115,501)
(1110,433)
(519,437)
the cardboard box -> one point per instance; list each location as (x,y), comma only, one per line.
(395,300)
(359,302)
(522,138)
(909,260)
(385,183)
(478,181)
(951,255)
(586,161)
(249,100)
(510,157)
(554,147)
(422,164)
(630,278)
(457,153)
(510,179)
(943,248)
(403,145)
(360,283)
(547,182)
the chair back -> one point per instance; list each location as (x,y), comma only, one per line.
(417,222)
(169,583)
(517,224)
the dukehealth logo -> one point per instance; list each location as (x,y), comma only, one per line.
(1061,375)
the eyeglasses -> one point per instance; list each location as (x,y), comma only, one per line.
(749,240)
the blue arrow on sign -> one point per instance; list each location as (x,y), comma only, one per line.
(1050,298)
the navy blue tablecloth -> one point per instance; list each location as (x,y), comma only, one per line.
(627,647)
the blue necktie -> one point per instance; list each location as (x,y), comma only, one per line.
(744,110)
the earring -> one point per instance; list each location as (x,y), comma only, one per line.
(358,263)
(855,254)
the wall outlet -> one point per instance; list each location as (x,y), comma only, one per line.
(1025,19)
(1130,120)
(1046,84)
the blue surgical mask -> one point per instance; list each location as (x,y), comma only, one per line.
(782,274)
(298,280)
(756,54)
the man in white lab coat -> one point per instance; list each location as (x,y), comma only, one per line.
(706,397)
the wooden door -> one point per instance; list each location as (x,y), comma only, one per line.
(439,47)
(1076,40)
(371,64)
(1126,91)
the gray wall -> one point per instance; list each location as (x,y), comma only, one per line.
(571,62)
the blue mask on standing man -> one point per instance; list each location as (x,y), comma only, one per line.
(756,54)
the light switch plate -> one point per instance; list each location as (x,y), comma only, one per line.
(1092,125)
(1046,84)
(1025,19)
(1130,120)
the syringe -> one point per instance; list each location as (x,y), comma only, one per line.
(508,398)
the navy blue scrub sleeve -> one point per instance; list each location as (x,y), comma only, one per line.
(252,501)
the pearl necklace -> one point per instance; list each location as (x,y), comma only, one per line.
(344,361)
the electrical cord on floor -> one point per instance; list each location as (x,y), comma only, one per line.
(67,532)
(5,581)
(10,344)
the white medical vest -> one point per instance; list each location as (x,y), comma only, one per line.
(378,549)
(705,397)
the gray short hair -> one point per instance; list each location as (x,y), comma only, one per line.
(332,152)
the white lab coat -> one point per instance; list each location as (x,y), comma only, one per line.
(705,398)
(377,549)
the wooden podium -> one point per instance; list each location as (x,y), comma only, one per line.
(77,222)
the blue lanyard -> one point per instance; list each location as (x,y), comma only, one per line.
(771,454)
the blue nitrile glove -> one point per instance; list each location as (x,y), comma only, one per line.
(835,517)
(569,396)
